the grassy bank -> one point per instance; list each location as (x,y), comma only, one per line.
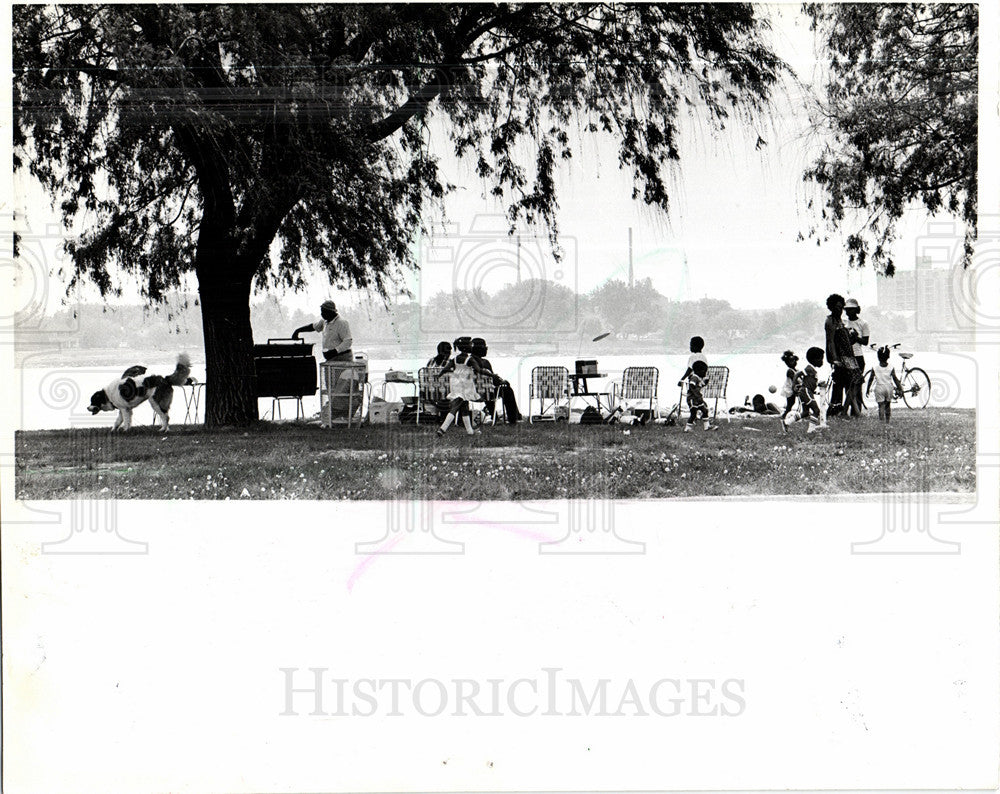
(932,450)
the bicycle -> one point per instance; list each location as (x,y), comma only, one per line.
(916,391)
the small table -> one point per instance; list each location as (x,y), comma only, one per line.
(192,401)
(580,390)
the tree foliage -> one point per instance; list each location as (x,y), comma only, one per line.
(302,120)
(901,103)
(188,138)
(626,309)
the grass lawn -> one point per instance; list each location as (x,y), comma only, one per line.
(931,450)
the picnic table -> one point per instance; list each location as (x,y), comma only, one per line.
(580,389)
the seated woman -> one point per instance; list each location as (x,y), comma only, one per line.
(504,391)
(443,355)
(441,360)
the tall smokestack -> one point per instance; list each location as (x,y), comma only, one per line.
(631,274)
(519,259)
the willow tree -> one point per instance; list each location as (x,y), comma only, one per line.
(900,117)
(249,143)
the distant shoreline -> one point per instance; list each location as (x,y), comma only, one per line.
(115,356)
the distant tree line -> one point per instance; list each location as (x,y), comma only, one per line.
(526,313)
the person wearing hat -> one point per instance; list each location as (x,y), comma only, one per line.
(858,330)
(336,333)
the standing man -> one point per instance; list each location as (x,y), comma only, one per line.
(858,330)
(336,333)
(840,354)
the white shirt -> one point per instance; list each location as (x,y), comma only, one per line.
(336,334)
(861,327)
(883,376)
(696,357)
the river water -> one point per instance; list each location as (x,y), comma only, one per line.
(57,396)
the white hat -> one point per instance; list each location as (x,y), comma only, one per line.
(851,303)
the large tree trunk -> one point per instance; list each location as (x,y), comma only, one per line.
(231,394)
(229,252)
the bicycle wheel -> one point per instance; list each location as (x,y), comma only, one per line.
(916,388)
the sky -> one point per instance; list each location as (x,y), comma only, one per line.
(731,234)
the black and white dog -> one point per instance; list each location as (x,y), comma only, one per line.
(132,389)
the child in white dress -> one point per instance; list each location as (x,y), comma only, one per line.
(886,384)
(788,389)
(463,368)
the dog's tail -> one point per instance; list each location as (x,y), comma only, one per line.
(181,372)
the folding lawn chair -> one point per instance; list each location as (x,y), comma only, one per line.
(488,393)
(718,380)
(432,389)
(638,385)
(548,385)
(714,389)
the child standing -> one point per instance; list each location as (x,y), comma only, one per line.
(789,389)
(807,382)
(697,345)
(697,377)
(463,368)
(886,384)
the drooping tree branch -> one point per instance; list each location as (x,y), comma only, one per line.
(900,109)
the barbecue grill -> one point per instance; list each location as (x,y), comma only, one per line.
(286,370)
